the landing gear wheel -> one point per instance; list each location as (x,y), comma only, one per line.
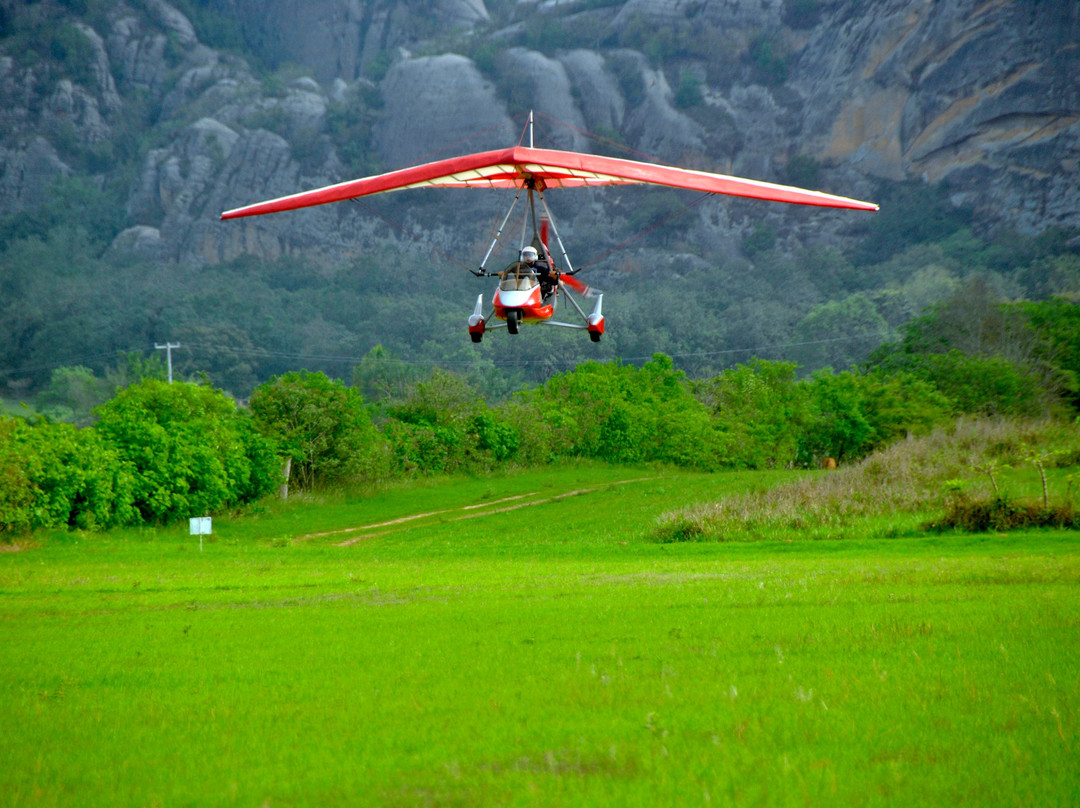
(594,336)
(513,317)
(476,337)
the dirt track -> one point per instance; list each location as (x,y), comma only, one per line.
(362,532)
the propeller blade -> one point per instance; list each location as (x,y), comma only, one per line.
(576,285)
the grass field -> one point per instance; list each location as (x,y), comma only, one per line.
(520,640)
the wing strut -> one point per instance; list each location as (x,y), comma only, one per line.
(483,264)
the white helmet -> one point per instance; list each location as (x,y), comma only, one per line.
(529,254)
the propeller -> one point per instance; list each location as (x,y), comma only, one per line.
(577,286)
(566,280)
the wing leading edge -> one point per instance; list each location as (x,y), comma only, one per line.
(547,168)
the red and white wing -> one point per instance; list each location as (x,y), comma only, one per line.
(547,168)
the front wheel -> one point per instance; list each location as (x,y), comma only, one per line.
(513,317)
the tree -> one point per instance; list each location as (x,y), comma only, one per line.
(16,492)
(1056,326)
(321,424)
(839,333)
(839,427)
(688,92)
(72,394)
(759,410)
(190,449)
(381,377)
(443,424)
(78,480)
(621,414)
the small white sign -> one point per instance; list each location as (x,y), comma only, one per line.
(200,525)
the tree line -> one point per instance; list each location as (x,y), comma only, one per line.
(156,453)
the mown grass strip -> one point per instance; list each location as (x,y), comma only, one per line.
(566,660)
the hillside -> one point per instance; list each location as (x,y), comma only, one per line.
(127,127)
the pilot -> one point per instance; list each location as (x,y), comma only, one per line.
(542,269)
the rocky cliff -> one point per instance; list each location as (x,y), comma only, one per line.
(981,96)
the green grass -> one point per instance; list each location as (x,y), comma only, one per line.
(900,489)
(549,655)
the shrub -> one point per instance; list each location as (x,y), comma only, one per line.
(803,171)
(621,414)
(188,447)
(55,475)
(759,411)
(1000,514)
(838,427)
(988,385)
(761,239)
(79,480)
(688,92)
(321,424)
(443,425)
(16,492)
(769,58)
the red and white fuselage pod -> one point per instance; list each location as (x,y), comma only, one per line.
(518,296)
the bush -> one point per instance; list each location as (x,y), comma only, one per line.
(443,425)
(982,385)
(79,480)
(16,492)
(769,58)
(1001,514)
(621,414)
(55,475)
(889,492)
(189,448)
(761,239)
(321,424)
(688,92)
(759,411)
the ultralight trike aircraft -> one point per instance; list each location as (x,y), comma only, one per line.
(522,295)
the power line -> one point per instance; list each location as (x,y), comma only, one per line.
(500,362)
(77,360)
(256,352)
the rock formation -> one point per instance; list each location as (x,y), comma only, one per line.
(979,95)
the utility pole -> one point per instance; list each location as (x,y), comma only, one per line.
(168,348)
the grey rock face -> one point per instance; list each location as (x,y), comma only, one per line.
(982,96)
(172,20)
(335,38)
(760,122)
(26,171)
(72,104)
(432,104)
(173,187)
(462,12)
(137,54)
(759,14)
(949,90)
(213,84)
(655,127)
(543,85)
(602,102)
(102,71)
(142,240)
(326,36)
